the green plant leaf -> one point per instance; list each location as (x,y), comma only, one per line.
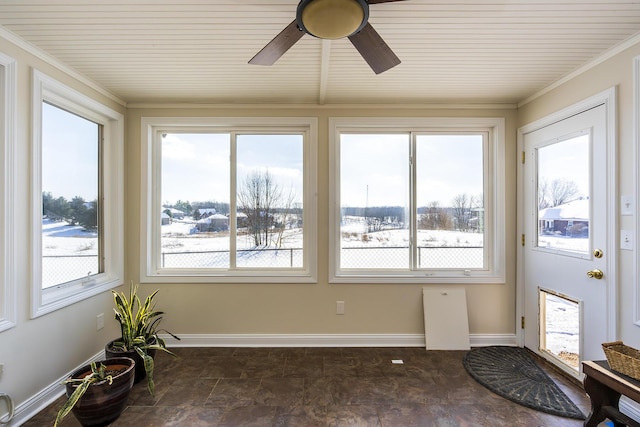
(79,391)
(139,324)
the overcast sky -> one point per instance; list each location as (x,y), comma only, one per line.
(568,160)
(375,168)
(195,167)
(69,154)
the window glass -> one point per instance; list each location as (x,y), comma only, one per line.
(374,201)
(71,232)
(269,201)
(194,216)
(450,201)
(203,227)
(417,200)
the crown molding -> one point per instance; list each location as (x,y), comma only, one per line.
(359,107)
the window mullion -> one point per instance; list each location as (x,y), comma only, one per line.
(412,217)
(233,194)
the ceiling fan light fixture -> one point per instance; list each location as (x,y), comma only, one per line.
(332,19)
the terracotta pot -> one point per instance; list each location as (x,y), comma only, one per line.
(103,403)
(140,373)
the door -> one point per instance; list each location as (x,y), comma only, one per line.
(565,259)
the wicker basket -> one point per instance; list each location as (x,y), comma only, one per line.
(622,358)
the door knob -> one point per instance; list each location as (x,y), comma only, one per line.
(595,274)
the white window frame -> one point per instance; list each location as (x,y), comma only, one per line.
(8,82)
(152,128)
(494,198)
(44,301)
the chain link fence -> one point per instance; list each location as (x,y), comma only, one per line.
(60,269)
(388,257)
(246,258)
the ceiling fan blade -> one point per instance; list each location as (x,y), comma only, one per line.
(278,46)
(381,1)
(374,50)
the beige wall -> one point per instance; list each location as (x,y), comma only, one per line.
(304,308)
(615,72)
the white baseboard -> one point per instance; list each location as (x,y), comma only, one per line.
(45,397)
(324,340)
(26,410)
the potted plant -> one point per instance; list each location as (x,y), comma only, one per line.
(139,333)
(97,393)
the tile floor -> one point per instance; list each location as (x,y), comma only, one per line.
(320,387)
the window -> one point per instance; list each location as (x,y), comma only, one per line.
(230,200)
(417,200)
(77,196)
(7,193)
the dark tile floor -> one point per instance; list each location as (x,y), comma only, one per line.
(320,387)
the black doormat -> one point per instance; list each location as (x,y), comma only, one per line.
(511,373)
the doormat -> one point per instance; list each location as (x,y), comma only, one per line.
(512,373)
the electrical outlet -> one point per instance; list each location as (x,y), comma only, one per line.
(626,240)
(99,321)
(339,307)
(1,369)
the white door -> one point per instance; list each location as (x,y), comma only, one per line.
(565,255)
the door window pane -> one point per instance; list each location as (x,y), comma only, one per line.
(563,195)
(71,235)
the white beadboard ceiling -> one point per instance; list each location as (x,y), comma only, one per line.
(196,51)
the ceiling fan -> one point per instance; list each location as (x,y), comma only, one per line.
(333,19)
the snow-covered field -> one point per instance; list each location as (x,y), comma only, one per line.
(69,253)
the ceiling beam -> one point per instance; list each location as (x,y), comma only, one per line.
(324,70)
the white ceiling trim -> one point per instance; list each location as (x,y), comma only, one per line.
(406,106)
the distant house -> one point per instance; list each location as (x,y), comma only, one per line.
(174,213)
(165,219)
(568,219)
(206,212)
(214,222)
(241,219)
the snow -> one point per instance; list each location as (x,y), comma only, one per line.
(69,252)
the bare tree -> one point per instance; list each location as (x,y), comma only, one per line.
(286,216)
(563,191)
(558,192)
(434,218)
(461,205)
(543,194)
(258,198)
